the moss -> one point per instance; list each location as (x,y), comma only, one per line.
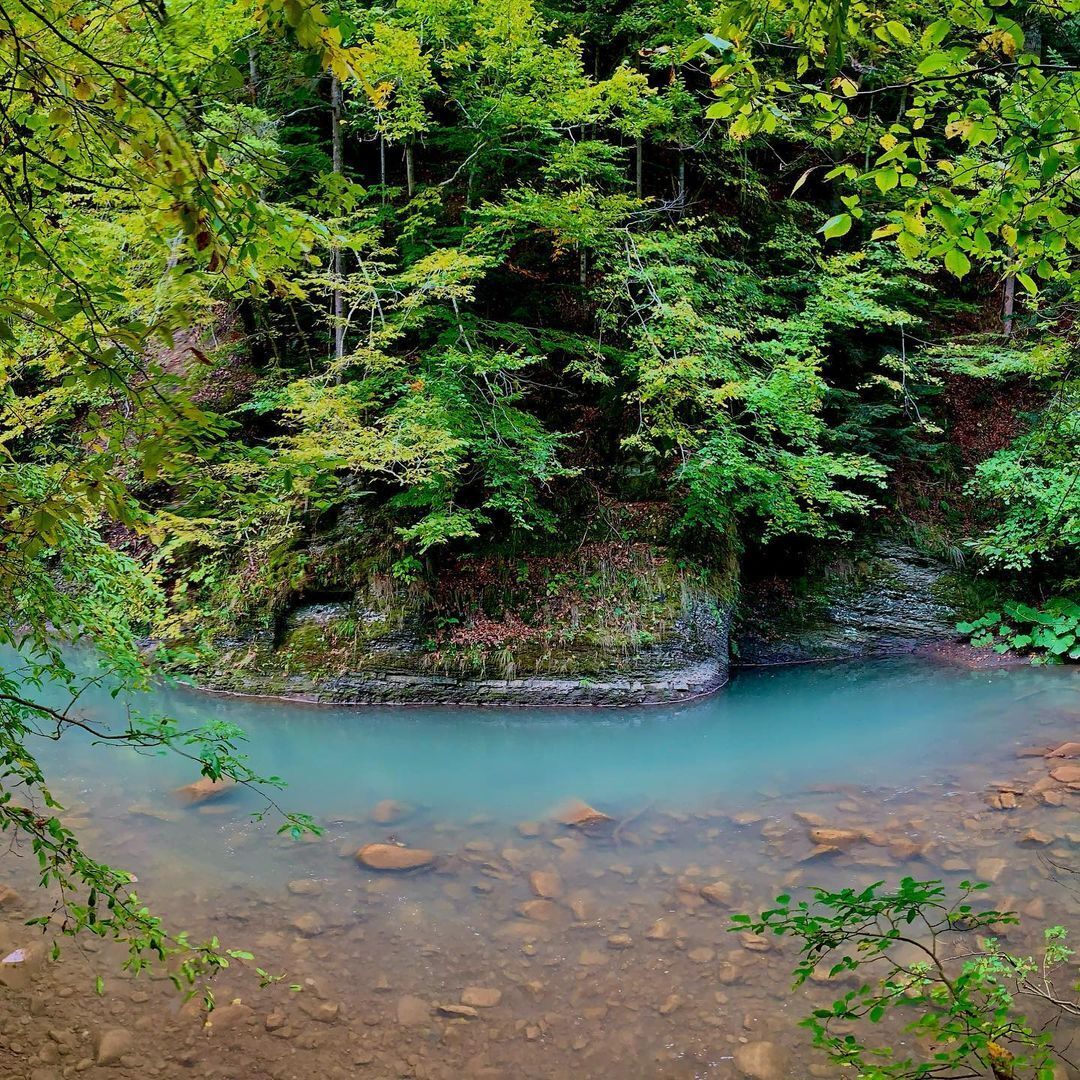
(578,614)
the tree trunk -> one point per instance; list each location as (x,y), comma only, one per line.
(336,159)
(1008,304)
(682,185)
(253,77)
(639,155)
(409,169)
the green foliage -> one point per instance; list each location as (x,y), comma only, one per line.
(960,1004)
(1049,633)
(1034,484)
(969,124)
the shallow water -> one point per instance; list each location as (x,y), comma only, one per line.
(894,722)
(702,791)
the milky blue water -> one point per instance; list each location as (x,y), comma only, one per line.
(892,723)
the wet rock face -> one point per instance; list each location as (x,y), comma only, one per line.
(891,605)
(691,659)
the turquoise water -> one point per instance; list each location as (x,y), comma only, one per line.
(726,789)
(893,723)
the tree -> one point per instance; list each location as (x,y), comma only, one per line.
(109,160)
(933,974)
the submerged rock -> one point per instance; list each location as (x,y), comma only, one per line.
(466,1011)
(204,789)
(393,857)
(389,812)
(412,1011)
(111,1045)
(660,930)
(1066,750)
(546,884)
(578,814)
(481,997)
(719,893)
(836,838)
(762,1061)
(539,910)
(1066,774)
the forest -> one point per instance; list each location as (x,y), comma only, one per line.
(531,340)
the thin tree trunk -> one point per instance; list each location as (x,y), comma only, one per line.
(337,165)
(682,185)
(253,77)
(1008,304)
(409,169)
(639,164)
(382,164)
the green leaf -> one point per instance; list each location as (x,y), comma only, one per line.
(909,245)
(898,31)
(956,262)
(836,226)
(937,61)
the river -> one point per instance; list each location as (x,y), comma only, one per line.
(625,968)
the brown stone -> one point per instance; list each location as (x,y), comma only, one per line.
(389,812)
(903,848)
(755,942)
(659,931)
(719,893)
(111,1045)
(325,1012)
(529,829)
(308,924)
(620,941)
(1035,838)
(1065,750)
(412,1011)
(1066,774)
(546,884)
(592,958)
(762,1061)
(837,838)
(466,1011)
(990,869)
(233,1015)
(393,857)
(204,789)
(701,955)
(578,814)
(820,851)
(539,910)
(481,997)
(583,907)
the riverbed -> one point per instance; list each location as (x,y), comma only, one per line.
(599,951)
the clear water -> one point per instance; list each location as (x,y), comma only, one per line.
(897,723)
(715,789)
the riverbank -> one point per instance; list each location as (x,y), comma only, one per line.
(652,632)
(605,625)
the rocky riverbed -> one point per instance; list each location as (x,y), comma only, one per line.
(588,942)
